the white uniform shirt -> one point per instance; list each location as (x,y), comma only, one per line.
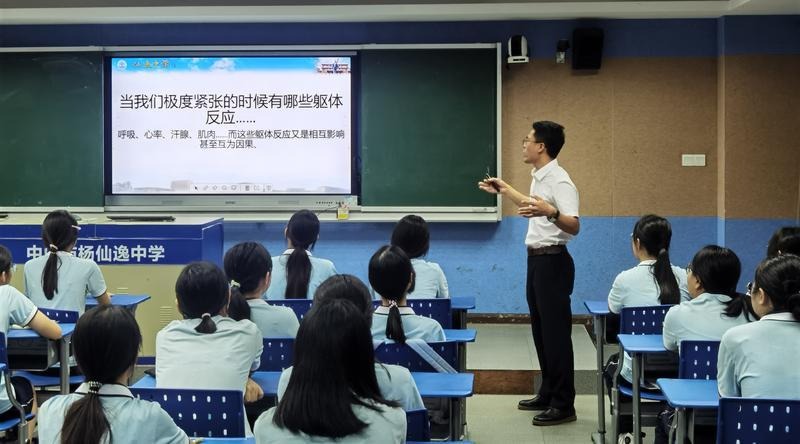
(429,280)
(274,321)
(387,426)
(414,326)
(321,269)
(131,419)
(761,359)
(15,308)
(77,278)
(701,319)
(637,287)
(553,184)
(395,382)
(221,360)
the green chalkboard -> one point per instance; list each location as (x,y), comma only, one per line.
(51,129)
(428,126)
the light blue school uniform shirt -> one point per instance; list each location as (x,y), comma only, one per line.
(701,319)
(274,321)
(429,280)
(15,308)
(77,278)
(637,287)
(130,419)
(387,425)
(414,326)
(321,269)
(761,359)
(394,381)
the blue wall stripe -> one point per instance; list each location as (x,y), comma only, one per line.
(760,35)
(624,38)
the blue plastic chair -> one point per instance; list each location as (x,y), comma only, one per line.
(40,380)
(299,306)
(636,321)
(403,355)
(760,421)
(698,360)
(418,428)
(200,413)
(22,422)
(278,354)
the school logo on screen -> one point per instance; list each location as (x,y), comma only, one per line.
(121,65)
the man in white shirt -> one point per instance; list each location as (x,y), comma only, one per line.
(552,210)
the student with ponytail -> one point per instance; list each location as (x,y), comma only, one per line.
(297,273)
(15,308)
(395,382)
(392,277)
(654,281)
(102,410)
(58,279)
(207,349)
(249,268)
(715,306)
(761,359)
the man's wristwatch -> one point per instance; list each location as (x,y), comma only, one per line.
(552,219)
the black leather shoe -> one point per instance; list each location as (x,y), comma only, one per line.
(535,403)
(553,416)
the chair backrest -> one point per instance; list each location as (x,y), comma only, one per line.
(200,413)
(405,356)
(418,428)
(752,420)
(61,316)
(278,354)
(643,320)
(698,360)
(299,306)
(437,309)
(3,349)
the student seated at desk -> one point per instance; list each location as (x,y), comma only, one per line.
(761,359)
(103,410)
(15,308)
(394,381)
(249,268)
(715,306)
(412,235)
(333,394)
(654,281)
(392,277)
(207,350)
(785,240)
(297,274)
(59,279)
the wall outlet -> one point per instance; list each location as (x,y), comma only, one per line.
(693,160)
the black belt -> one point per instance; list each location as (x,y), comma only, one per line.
(548,250)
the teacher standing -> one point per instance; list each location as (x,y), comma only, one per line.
(552,212)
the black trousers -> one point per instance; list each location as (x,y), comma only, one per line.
(549,286)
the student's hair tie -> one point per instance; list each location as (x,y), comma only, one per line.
(77,228)
(392,304)
(205,315)
(94,387)
(662,251)
(53,248)
(235,284)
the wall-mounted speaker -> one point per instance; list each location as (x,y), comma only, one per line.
(517,49)
(587,48)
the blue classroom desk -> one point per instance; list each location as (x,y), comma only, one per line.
(63,348)
(599,310)
(637,346)
(686,395)
(129,301)
(135,257)
(459,307)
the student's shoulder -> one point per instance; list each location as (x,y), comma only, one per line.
(9,291)
(321,262)
(245,325)
(58,403)
(739,335)
(396,373)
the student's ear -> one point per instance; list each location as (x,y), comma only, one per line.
(4,279)
(411,283)
(267,279)
(286,231)
(178,306)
